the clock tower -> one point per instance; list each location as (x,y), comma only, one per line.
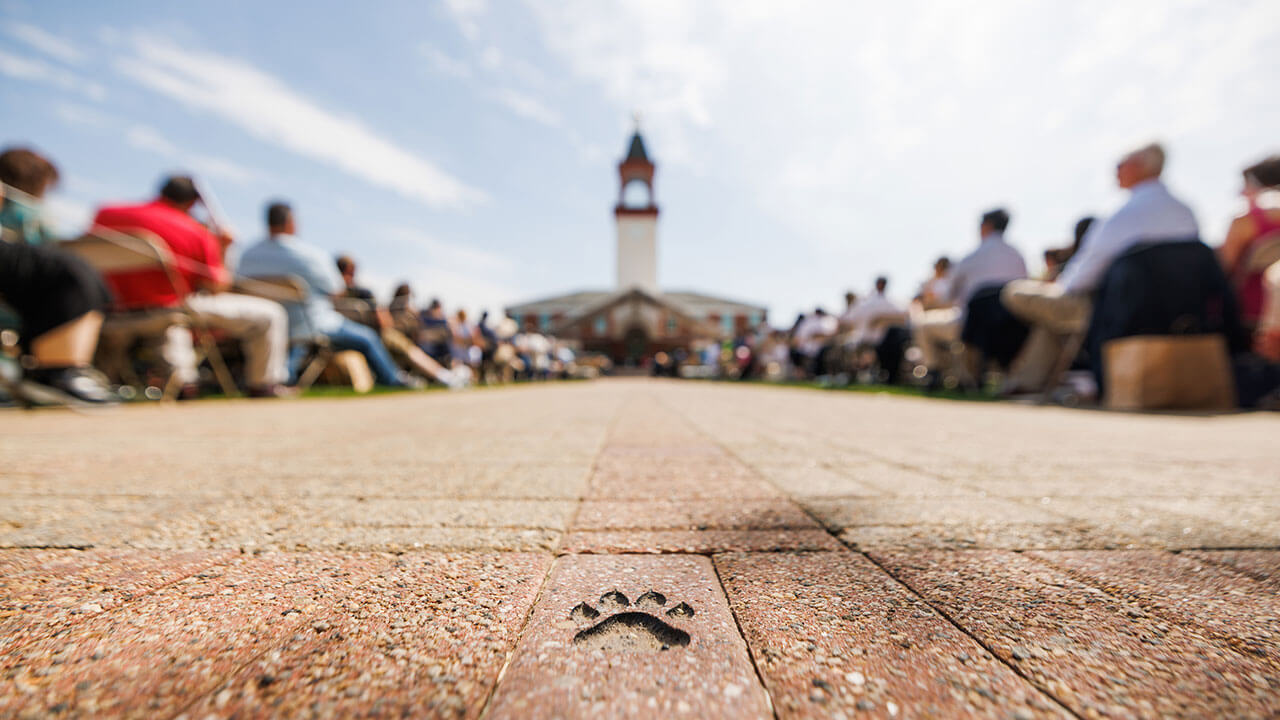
(637,219)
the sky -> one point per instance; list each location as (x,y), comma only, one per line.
(469,147)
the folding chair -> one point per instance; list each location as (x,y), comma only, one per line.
(286,289)
(1265,253)
(356,310)
(111,251)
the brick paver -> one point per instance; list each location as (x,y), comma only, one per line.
(595,663)
(822,555)
(833,634)
(1099,655)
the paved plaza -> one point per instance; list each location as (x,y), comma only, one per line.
(633,548)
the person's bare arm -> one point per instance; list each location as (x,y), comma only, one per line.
(1238,236)
(219,278)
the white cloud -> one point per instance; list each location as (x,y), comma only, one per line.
(45,42)
(445,64)
(875,133)
(38,71)
(527,106)
(465,14)
(460,275)
(265,107)
(149,139)
(82,115)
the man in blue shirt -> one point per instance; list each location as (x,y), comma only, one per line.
(283,254)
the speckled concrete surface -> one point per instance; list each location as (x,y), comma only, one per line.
(495,484)
(702,542)
(745,514)
(832,634)
(552,676)
(1261,565)
(1186,591)
(158,654)
(1097,654)
(427,638)
(48,591)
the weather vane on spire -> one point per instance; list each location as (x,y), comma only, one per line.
(635,119)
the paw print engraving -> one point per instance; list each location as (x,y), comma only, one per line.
(614,623)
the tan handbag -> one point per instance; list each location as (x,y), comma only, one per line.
(1168,372)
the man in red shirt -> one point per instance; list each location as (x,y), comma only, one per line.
(261,325)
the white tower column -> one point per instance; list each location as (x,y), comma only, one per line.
(638,252)
(637,219)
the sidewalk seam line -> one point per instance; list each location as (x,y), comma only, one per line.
(554,552)
(486,704)
(751,655)
(1231,642)
(130,599)
(254,657)
(990,651)
(896,579)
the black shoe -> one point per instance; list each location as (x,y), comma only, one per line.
(76,386)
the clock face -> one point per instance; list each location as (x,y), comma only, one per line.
(635,195)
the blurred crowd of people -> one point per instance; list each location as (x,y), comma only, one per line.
(180,304)
(93,317)
(1142,271)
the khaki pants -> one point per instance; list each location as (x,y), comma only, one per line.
(261,326)
(935,332)
(1053,315)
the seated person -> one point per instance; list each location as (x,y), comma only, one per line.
(436,336)
(280,253)
(872,316)
(403,315)
(935,293)
(1057,258)
(58,298)
(260,325)
(811,335)
(1064,306)
(994,262)
(1259,222)
(347,268)
(404,350)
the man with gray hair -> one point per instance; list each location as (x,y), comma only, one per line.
(1058,308)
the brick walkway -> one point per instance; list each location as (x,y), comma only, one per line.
(638,549)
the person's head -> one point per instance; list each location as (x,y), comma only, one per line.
(941,266)
(462,316)
(1145,163)
(850,298)
(882,282)
(347,268)
(993,222)
(819,312)
(1257,177)
(280,219)
(403,292)
(28,171)
(179,191)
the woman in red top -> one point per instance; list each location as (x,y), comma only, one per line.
(1258,225)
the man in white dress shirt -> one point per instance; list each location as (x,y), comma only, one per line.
(995,262)
(871,316)
(1063,306)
